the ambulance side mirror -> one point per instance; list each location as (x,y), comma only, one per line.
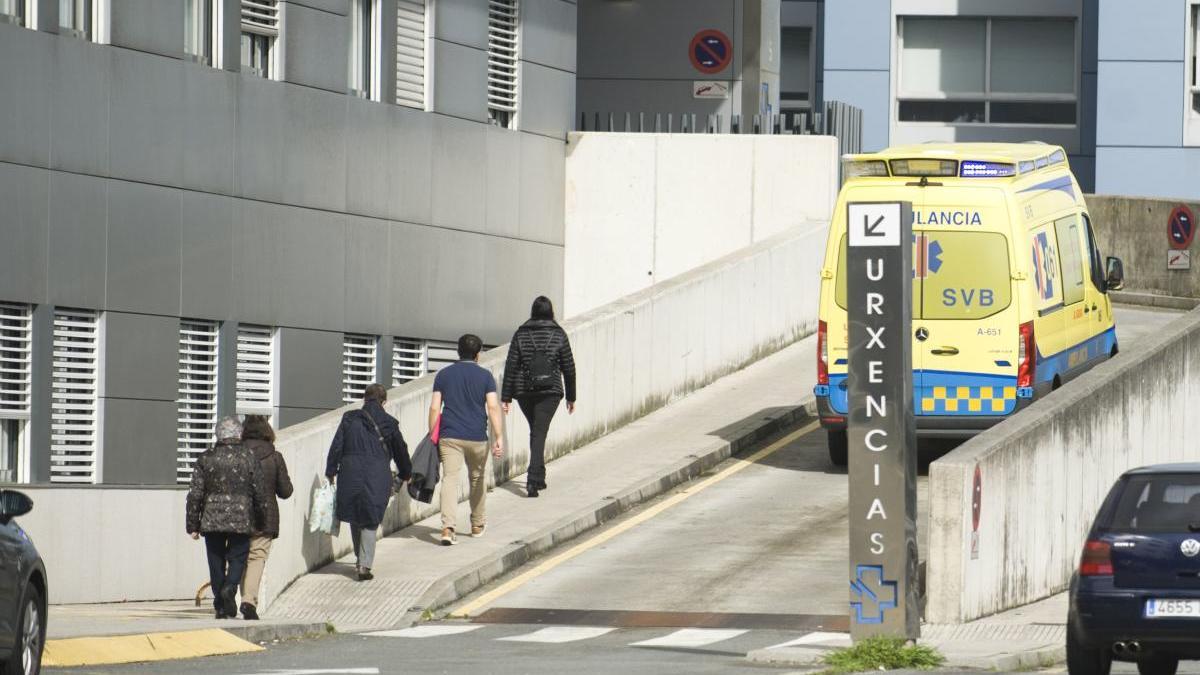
(1114,275)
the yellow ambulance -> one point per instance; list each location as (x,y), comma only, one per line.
(1009,290)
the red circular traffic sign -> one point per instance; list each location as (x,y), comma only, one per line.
(976,499)
(1181,227)
(711,51)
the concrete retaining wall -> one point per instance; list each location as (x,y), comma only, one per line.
(1135,230)
(1045,472)
(633,356)
(642,208)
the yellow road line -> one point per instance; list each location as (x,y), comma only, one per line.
(471,608)
(95,651)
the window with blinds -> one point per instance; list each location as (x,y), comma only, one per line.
(408,360)
(410,53)
(358,365)
(197,404)
(503,55)
(255,370)
(260,30)
(74,442)
(16,345)
(13,11)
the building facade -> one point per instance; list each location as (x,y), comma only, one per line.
(218,206)
(1113,82)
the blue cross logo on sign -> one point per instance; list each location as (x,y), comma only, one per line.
(875,595)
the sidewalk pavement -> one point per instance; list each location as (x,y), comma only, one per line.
(1024,638)
(414,575)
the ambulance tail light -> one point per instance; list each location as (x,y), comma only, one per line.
(1096,560)
(1026,356)
(822,353)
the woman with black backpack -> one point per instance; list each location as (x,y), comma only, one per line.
(539,373)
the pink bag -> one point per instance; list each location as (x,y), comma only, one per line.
(437,430)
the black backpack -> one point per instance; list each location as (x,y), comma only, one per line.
(543,365)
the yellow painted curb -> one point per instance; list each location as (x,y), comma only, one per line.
(97,651)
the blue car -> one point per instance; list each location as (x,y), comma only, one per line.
(1136,594)
(23,591)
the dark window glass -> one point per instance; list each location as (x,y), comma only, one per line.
(1165,503)
(1032,113)
(942,111)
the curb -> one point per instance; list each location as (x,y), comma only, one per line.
(279,632)
(1154,300)
(802,657)
(465,580)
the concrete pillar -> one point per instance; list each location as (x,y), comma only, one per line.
(45,15)
(40,390)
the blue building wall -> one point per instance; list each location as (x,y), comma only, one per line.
(858,62)
(1142,54)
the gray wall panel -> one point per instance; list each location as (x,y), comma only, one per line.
(335,6)
(858,36)
(547,100)
(503,182)
(541,208)
(1137,31)
(1139,104)
(29,65)
(147,108)
(139,441)
(288,266)
(314,148)
(367,265)
(207,245)
(310,369)
(548,33)
(437,282)
(208,128)
(459,174)
(259,139)
(411,279)
(79,113)
(413,159)
(24,192)
(289,416)
(77,240)
(316,48)
(143,248)
(460,81)
(462,21)
(371,146)
(516,273)
(141,356)
(154,26)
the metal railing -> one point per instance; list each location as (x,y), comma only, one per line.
(836,119)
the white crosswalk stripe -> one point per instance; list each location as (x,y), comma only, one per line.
(690,637)
(426,631)
(559,634)
(817,639)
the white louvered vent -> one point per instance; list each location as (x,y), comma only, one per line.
(16,333)
(74,443)
(358,365)
(408,360)
(261,17)
(502,60)
(255,370)
(197,404)
(410,53)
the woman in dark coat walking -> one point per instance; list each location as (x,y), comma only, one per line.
(539,373)
(368,440)
(259,438)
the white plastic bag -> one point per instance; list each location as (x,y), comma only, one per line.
(324,506)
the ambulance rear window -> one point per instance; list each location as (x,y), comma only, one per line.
(956,275)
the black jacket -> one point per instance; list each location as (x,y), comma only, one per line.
(362,464)
(426,470)
(529,337)
(226,493)
(274,483)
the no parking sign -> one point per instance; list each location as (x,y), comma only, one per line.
(711,51)
(1181,227)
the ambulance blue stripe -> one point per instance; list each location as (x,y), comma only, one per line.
(1062,183)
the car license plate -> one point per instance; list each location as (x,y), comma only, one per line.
(1167,609)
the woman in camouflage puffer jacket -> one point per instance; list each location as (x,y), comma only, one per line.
(224,502)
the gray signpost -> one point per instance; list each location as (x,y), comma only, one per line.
(882,433)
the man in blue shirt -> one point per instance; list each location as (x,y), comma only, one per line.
(465,396)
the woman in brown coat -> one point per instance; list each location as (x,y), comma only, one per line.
(259,438)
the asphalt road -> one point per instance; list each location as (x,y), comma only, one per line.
(754,560)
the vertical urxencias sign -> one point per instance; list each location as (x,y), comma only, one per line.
(882,432)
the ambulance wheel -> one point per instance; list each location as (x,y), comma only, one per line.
(839,448)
